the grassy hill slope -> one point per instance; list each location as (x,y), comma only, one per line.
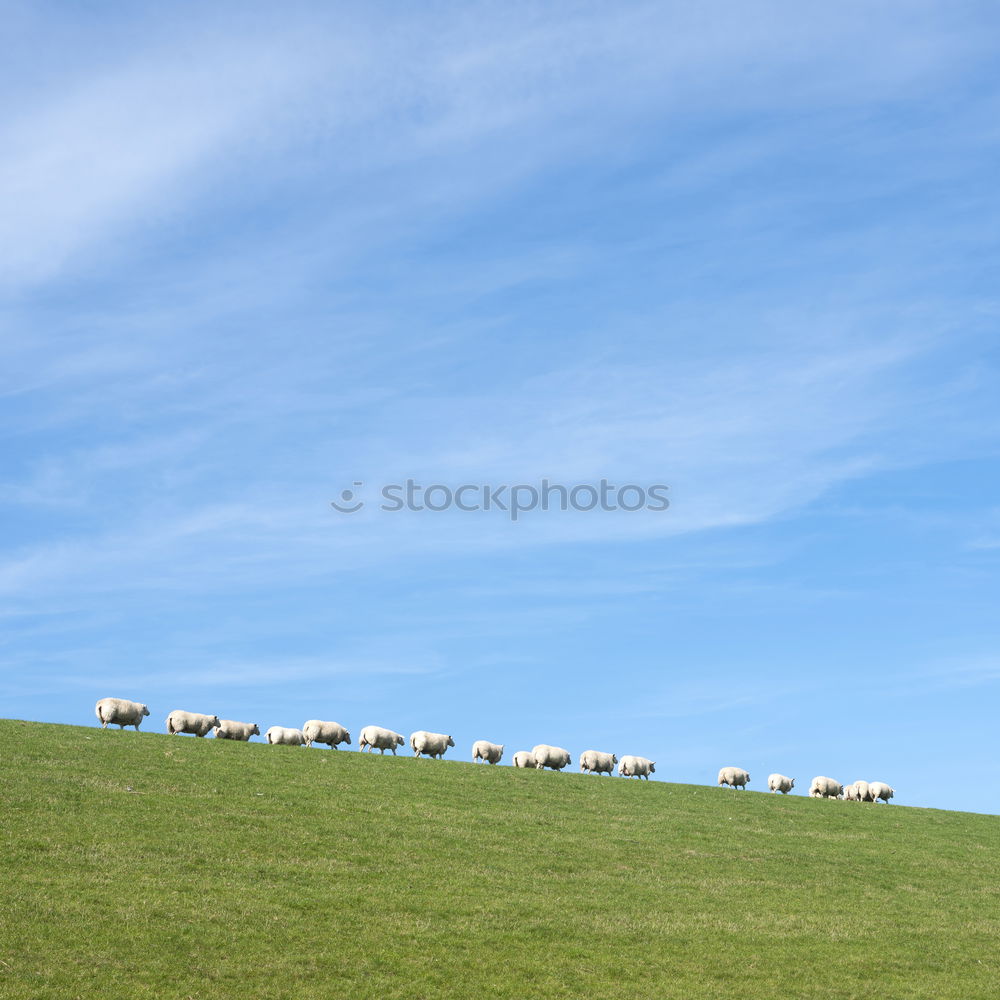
(142,865)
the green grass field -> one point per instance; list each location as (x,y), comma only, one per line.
(142,865)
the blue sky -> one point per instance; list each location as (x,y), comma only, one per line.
(252,256)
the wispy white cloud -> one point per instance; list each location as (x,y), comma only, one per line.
(119,150)
(984,544)
(125,143)
(156,677)
(987,531)
(748,442)
(966,673)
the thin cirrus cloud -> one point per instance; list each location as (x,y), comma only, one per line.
(125,146)
(117,149)
(738,447)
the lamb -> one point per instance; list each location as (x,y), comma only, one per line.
(596,762)
(490,752)
(825,788)
(524,758)
(377,738)
(120,712)
(191,722)
(330,733)
(780,783)
(229,730)
(555,757)
(282,735)
(432,744)
(735,777)
(636,767)
(880,790)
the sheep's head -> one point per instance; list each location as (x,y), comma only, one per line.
(255,730)
(145,710)
(451,742)
(652,766)
(347,737)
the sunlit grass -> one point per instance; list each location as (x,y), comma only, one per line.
(141,865)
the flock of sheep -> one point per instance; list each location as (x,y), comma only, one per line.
(821,787)
(121,712)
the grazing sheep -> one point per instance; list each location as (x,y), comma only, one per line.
(490,752)
(825,788)
(636,767)
(780,783)
(555,757)
(880,790)
(524,758)
(850,793)
(120,712)
(596,762)
(377,738)
(736,777)
(863,792)
(229,730)
(330,733)
(432,744)
(283,736)
(191,722)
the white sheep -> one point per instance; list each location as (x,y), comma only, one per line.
(285,736)
(862,791)
(191,722)
(489,752)
(330,733)
(636,767)
(825,788)
(432,744)
(880,790)
(850,793)
(377,738)
(735,777)
(229,730)
(780,783)
(547,756)
(524,758)
(597,762)
(120,712)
